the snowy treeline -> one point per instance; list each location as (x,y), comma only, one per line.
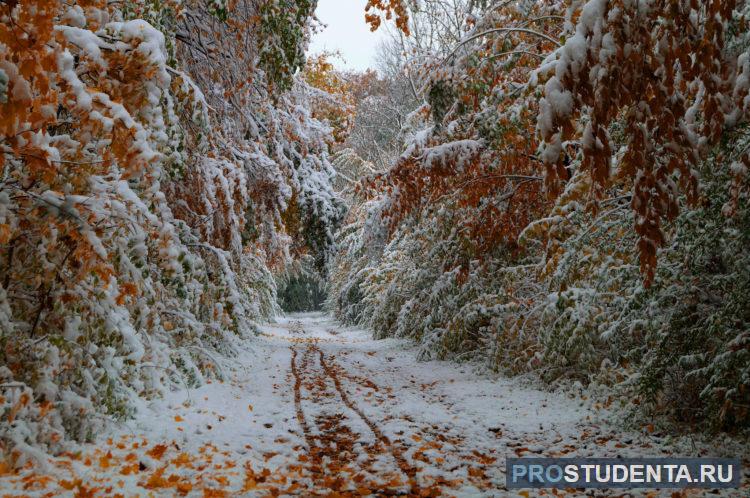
(569,196)
(151,156)
(541,185)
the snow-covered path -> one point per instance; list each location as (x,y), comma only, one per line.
(319,410)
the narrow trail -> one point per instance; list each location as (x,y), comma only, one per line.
(314,409)
(338,443)
(396,451)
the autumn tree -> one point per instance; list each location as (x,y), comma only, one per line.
(148,153)
(558,197)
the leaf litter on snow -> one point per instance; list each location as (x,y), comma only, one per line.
(375,422)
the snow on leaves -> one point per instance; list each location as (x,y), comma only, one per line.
(566,197)
(142,181)
(662,71)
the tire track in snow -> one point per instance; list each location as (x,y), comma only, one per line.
(331,460)
(452,449)
(396,451)
(301,419)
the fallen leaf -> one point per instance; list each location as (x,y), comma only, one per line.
(157,451)
(214,493)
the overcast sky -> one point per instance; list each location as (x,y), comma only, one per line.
(346,32)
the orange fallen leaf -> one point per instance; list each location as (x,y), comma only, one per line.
(66,484)
(249,484)
(130,469)
(22,401)
(475,472)
(183,459)
(157,480)
(157,451)
(177,418)
(127,289)
(184,487)
(84,492)
(104,460)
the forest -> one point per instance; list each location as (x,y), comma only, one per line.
(565,192)
(555,191)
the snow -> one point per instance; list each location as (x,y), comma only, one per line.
(738,168)
(87,41)
(459,152)
(365,416)
(9,76)
(75,16)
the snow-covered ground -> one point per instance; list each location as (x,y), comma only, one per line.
(314,409)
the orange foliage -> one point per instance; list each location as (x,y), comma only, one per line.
(389,9)
(499,180)
(336,106)
(673,106)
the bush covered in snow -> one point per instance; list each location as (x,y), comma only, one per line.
(149,154)
(574,202)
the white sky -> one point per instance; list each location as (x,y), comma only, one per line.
(346,32)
